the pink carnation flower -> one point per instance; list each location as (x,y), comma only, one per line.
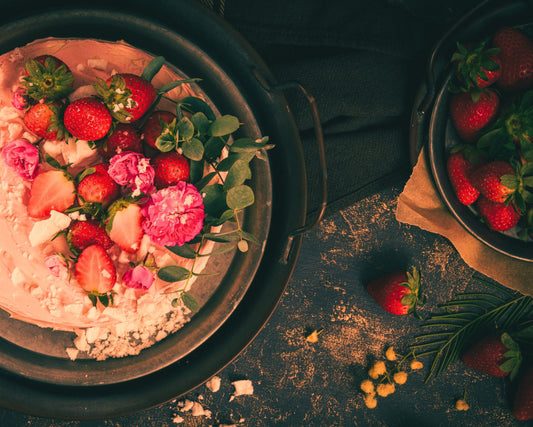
(18,99)
(23,157)
(57,266)
(174,215)
(132,170)
(139,277)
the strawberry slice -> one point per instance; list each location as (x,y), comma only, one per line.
(50,190)
(124,225)
(95,271)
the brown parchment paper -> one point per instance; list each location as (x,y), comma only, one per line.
(419,204)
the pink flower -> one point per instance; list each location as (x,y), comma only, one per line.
(132,170)
(19,100)
(174,215)
(139,277)
(57,266)
(23,157)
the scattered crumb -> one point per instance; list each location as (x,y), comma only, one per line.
(213,384)
(243,387)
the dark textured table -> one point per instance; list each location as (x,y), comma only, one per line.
(300,383)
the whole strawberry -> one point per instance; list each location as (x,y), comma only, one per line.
(170,168)
(82,234)
(47,78)
(396,292)
(155,126)
(127,96)
(523,399)
(476,66)
(124,137)
(497,216)
(44,120)
(87,119)
(96,186)
(495,354)
(470,116)
(489,180)
(516,54)
(459,167)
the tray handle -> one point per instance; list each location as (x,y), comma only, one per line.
(319,135)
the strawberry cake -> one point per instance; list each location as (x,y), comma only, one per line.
(95,196)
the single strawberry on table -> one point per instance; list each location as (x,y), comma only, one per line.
(459,167)
(124,225)
(516,55)
(495,354)
(470,116)
(170,168)
(96,274)
(47,78)
(87,119)
(124,137)
(523,398)
(396,292)
(497,216)
(51,190)
(127,96)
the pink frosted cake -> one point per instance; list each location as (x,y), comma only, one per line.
(96,177)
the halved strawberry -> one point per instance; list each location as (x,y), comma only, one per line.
(124,225)
(170,168)
(95,271)
(124,137)
(50,190)
(98,187)
(127,96)
(155,125)
(47,77)
(82,234)
(44,120)
(87,119)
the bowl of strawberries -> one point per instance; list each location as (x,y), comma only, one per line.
(480,137)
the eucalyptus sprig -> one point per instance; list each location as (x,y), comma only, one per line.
(208,140)
(468,315)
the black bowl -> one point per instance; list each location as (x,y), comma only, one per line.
(432,127)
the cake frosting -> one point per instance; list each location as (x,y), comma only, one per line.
(35,286)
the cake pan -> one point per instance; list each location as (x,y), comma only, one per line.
(44,382)
(432,128)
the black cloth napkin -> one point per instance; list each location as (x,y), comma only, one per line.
(364,62)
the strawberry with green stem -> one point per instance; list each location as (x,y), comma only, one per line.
(47,78)
(460,164)
(124,224)
(95,186)
(495,354)
(476,67)
(45,119)
(396,292)
(497,216)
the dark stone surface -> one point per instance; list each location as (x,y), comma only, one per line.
(299,383)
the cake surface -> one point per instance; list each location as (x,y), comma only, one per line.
(37,285)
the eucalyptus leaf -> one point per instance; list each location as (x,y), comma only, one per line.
(201,123)
(193,149)
(190,302)
(248,236)
(219,251)
(173,273)
(214,200)
(205,180)
(153,68)
(196,170)
(213,148)
(238,174)
(225,164)
(185,129)
(222,238)
(184,251)
(224,125)
(240,197)
(193,104)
